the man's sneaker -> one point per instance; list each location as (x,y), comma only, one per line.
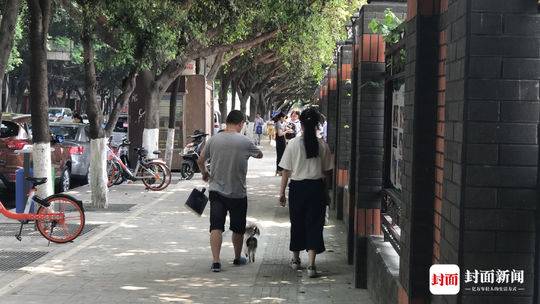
(312,271)
(216,267)
(295,264)
(240,261)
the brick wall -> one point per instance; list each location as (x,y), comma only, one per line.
(422,47)
(368,130)
(323,98)
(343,128)
(332,108)
(439,141)
(491,167)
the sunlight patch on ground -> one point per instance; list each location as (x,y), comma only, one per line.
(273,299)
(97,222)
(268,224)
(55,270)
(174,212)
(179,298)
(170,280)
(148,252)
(133,288)
(124,225)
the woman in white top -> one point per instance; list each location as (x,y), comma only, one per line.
(306,161)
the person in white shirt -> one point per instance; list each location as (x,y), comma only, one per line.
(307,161)
(295,121)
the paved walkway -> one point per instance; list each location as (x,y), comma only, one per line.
(158,252)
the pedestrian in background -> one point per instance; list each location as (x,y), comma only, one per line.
(270,131)
(307,161)
(281,143)
(295,123)
(258,129)
(229,152)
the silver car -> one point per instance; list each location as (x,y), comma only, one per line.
(76,135)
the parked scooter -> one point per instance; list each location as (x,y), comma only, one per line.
(191,154)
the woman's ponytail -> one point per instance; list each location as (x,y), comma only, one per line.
(310,119)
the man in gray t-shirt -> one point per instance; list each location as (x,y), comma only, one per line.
(228,153)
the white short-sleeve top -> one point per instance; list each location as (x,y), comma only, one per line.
(294,159)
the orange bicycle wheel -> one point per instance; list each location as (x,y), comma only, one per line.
(66,230)
(163,174)
(113,173)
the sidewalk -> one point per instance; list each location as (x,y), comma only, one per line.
(158,252)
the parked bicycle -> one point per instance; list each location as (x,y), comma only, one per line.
(154,173)
(114,173)
(59,217)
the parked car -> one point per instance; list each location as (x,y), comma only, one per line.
(60,114)
(120,130)
(15,134)
(77,141)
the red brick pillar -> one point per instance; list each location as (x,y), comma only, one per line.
(196,109)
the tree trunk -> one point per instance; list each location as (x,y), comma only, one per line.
(151,96)
(82,103)
(128,85)
(169,147)
(21,87)
(253,106)
(10,13)
(4,94)
(98,153)
(243,102)
(97,175)
(265,104)
(233,89)
(40,12)
(223,92)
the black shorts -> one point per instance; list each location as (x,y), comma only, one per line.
(237,208)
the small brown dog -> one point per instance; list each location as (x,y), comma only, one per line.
(252,230)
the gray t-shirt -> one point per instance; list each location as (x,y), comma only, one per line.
(229,154)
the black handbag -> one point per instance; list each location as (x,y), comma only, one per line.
(197,201)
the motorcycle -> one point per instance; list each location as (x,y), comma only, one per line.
(191,154)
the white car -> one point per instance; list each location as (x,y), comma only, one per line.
(60,114)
